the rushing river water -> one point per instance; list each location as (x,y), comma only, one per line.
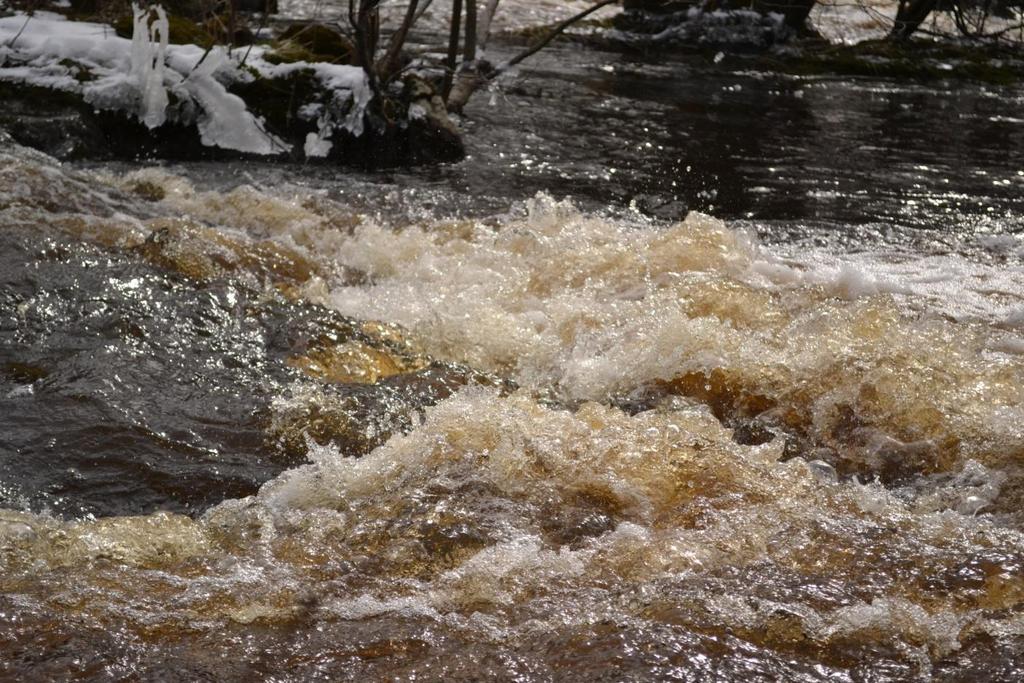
(520,417)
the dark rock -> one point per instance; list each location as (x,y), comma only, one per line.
(63,125)
(658,6)
(731,28)
(392,137)
(645,21)
(312,42)
(257,6)
(660,206)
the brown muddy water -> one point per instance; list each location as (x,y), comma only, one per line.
(523,417)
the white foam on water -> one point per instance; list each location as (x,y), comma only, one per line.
(948,284)
(590,308)
(499,519)
(477,524)
(584,307)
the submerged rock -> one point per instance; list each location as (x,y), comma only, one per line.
(312,42)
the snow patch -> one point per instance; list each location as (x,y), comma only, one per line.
(141,76)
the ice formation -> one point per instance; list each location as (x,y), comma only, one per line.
(149,52)
(138,76)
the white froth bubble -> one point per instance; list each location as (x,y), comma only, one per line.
(823,471)
(17,531)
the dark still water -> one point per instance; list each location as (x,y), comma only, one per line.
(525,417)
(745,144)
(828,154)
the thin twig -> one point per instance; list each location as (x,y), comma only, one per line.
(263,24)
(203,58)
(20,31)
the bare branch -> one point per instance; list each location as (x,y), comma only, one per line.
(423,10)
(366,26)
(554,33)
(390,63)
(469,51)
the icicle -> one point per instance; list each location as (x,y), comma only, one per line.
(149,49)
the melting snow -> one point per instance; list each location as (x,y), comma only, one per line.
(138,76)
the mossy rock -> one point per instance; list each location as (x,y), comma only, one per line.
(115,11)
(311,43)
(913,59)
(181,31)
(149,191)
(290,53)
(192,9)
(96,9)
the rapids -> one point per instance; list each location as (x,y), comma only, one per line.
(448,424)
